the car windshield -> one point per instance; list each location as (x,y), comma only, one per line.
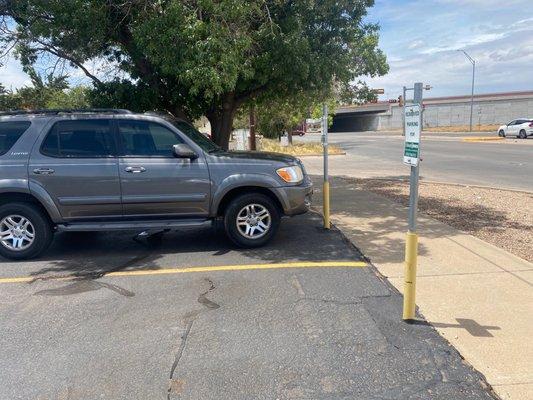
(201,140)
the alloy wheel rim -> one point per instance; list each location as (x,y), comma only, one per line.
(254,221)
(17,233)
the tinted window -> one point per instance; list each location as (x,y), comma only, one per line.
(146,139)
(10,132)
(521,121)
(83,139)
(201,140)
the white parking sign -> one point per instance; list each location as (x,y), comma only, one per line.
(413,120)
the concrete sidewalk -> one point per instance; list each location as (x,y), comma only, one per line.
(479,297)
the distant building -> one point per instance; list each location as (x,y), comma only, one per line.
(489,109)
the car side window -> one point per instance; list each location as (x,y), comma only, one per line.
(146,139)
(80,139)
(10,132)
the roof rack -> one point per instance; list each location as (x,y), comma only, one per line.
(66,111)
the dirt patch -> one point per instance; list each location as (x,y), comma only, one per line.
(501,217)
(298,149)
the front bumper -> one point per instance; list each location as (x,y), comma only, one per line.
(296,199)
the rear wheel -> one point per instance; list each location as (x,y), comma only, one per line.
(251,220)
(522,134)
(25,232)
(501,133)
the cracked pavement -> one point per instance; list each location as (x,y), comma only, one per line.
(295,333)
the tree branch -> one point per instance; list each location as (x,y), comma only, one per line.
(61,54)
(251,93)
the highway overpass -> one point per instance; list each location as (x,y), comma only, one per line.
(492,108)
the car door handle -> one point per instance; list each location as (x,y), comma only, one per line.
(135,170)
(43,171)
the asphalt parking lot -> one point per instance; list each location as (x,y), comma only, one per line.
(101,316)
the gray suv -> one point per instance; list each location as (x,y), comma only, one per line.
(102,170)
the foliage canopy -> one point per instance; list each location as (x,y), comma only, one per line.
(199,57)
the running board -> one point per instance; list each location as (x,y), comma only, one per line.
(133,225)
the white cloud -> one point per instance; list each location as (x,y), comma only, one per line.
(421,45)
(12,76)
(416,44)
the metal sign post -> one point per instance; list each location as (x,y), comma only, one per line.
(327,224)
(412,131)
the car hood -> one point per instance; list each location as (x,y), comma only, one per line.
(247,156)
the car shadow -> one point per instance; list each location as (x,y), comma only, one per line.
(90,255)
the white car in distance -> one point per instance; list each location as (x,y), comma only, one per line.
(521,127)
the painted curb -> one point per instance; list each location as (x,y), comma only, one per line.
(482,139)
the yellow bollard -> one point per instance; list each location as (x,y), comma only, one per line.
(409,286)
(327,224)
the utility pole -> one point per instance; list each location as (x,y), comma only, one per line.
(252,128)
(472,94)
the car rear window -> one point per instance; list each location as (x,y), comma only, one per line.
(10,132)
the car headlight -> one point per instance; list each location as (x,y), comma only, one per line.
(291,174)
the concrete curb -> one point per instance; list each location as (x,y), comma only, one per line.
(419,316)
(319,154)
(482,139)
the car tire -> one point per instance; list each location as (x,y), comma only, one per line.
(244,216)
(33,239)
(522,134)
(501,133)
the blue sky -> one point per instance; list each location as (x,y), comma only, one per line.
(421,39)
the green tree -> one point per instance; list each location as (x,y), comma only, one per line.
(52,92)
(201,57)
(8,99)
(48,92)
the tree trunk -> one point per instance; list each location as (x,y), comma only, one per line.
(221,121)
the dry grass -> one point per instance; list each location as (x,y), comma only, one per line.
(462,128)
(500,217)
(298,149)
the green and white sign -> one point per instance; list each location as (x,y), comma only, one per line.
(413,121)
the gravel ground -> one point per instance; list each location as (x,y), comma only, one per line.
(501,217)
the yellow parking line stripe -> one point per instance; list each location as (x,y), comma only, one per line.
(166,271)
(22,279)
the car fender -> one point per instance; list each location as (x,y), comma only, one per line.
(25,187)
(235,181)
(46,200)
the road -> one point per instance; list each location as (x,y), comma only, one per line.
(506,164)
(101,316)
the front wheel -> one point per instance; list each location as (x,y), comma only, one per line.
(25,231)
(251,220)
(522,134)
(501,133)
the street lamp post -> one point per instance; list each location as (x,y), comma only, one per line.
(473,75)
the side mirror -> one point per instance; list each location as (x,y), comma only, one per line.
(183,150)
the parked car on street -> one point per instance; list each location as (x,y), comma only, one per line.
(521,127)
(102,170)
